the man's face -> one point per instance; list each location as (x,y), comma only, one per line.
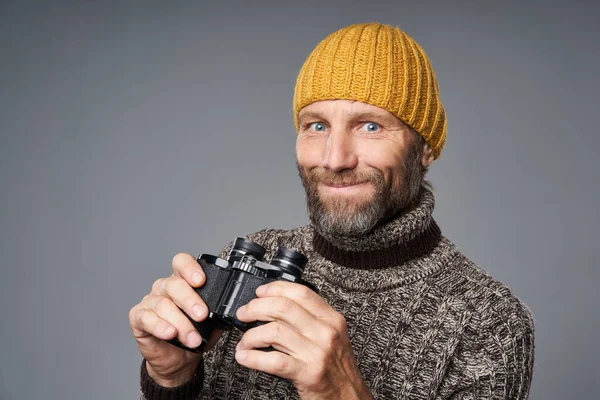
(359,165)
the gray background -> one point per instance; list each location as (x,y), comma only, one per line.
(131,131)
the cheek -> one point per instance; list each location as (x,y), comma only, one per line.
(308,153)
(386,158)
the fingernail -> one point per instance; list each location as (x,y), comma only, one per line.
(197,277)
(193,339)
(169,330)
(198,310)
(241,310)
(241,355)
(237,347)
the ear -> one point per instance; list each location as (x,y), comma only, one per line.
(427,157)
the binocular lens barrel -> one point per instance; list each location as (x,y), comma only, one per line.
(286,259)
(289,260)
(246,246)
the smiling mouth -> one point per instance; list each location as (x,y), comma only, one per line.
(350,189)
(341,185)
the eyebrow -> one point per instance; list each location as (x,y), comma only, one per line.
(309,114)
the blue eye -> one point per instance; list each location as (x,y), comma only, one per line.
(370,127)
(317,126)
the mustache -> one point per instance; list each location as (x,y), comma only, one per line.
(343,178)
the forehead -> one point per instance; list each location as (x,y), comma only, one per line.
(345,108)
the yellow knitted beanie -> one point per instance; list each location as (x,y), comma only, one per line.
(380,65)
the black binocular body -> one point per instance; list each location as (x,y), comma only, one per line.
(232,282)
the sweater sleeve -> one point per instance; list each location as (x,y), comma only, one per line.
(150,390)
(191,390)
(496,360)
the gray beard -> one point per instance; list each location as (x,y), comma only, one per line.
(343,217)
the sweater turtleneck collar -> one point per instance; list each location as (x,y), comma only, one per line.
(412,234)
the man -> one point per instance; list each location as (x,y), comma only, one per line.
(400,313)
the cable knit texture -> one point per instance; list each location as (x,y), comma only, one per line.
(424,324)
(188,390)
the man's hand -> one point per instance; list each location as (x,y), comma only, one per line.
(313,348)
(158,317)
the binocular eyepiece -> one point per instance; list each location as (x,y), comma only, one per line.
(287,260)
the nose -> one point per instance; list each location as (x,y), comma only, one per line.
(339,152)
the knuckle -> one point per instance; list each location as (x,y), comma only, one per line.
(285,306)
(171,283)
(276,329)
(180,260)
(167,284)
(177,258)
(330,337)
(132,315)
(280,362)
(340,323)
(163,304)
(157,285)
(304,292)
(139,320)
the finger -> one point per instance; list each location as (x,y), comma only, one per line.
(182,294)
(145,322)
(271,362)
(300,294)
(167,310)
(277,308)
(277,334)
(186,266)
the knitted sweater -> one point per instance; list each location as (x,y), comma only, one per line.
(424,321)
